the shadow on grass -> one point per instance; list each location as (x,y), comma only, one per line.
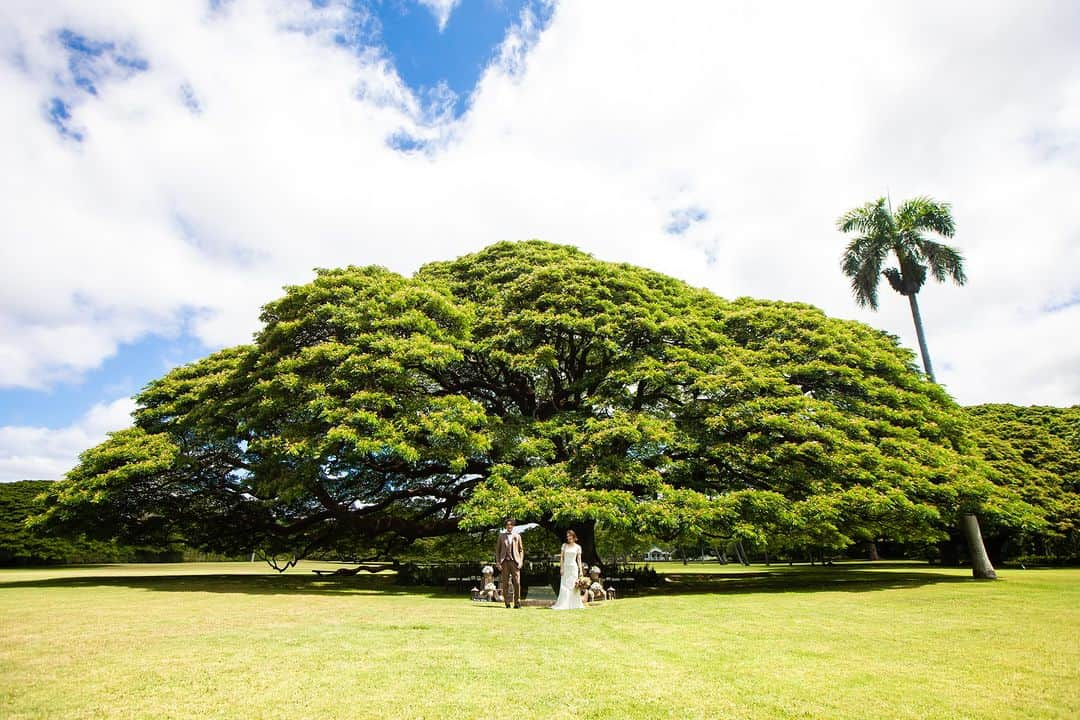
(284,584)
(802,580)
(806,580)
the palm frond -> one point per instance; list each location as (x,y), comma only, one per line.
(865,254)
(944,261)
(863,219)
(864,286)
(924,213)
(862,262)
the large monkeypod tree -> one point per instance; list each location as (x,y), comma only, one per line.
(532,380)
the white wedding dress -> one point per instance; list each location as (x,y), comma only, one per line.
(569,596)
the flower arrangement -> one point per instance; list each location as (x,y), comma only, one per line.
(582,584)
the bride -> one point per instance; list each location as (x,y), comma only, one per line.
(570,570)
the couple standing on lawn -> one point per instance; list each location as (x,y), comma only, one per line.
(510,557)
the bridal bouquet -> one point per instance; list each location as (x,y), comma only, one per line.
(582,583)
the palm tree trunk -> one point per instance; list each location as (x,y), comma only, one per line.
(922,337)
(969,524)
(980,561)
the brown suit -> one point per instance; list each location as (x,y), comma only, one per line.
(510,556)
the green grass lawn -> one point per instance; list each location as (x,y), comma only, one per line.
(234,640)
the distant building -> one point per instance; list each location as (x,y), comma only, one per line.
(657,554)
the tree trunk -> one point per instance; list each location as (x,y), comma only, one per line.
(922,337)
(874,556)
(980,562)
(586,537)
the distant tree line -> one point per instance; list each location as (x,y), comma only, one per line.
(20,545)
(1035,452)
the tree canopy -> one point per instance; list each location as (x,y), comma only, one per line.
(530,379)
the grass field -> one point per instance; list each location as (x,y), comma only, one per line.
(234,640)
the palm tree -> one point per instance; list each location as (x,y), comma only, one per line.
(903,235)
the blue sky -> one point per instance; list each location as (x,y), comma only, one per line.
(123,373)
(170,166)
(425,56)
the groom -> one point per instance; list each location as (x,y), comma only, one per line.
(510,556)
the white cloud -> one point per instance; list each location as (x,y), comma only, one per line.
(769,119)
(39,453)
(441,9)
